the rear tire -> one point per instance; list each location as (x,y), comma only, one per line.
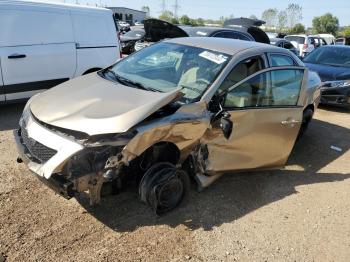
(307,117)
(163,187)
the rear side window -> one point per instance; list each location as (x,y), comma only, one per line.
(299,39)
(281,60)
(28,27)
(232,35)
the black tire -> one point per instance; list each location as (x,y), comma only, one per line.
(307,117)
(164,187)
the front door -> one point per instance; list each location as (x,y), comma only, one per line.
(265,118)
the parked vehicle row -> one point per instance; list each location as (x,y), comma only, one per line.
(305,44)
(240,28)
(43,45)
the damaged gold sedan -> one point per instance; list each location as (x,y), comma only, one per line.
(184,108)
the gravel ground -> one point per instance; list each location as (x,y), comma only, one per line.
(300,213)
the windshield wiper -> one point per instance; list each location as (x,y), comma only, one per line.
(129,82)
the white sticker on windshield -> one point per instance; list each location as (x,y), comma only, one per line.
(219,59)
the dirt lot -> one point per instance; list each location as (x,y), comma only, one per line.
(300,213)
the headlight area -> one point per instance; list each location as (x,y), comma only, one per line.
(336,93)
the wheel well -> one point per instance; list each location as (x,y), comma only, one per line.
(159,152)
(164,152)
(91,70)
(310,107)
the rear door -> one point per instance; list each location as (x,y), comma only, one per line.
(266,118)
(38,50)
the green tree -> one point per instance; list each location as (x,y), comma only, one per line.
(297,29)
(147,10)
(294,14)
(185,20)
(270,17)
(166,16)
(282,20)
(174,21)
(326,24)
(346,31)
(200,21)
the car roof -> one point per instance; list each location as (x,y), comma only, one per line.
(207,29)
(335,46)
(297,35)
(224,45)
(48,4)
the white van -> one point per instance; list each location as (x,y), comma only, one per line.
(45,44)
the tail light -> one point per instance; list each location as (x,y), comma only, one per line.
(305,46)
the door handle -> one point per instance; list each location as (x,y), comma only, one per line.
(290,122)
(15,56)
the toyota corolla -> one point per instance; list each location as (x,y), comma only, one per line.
(183,108)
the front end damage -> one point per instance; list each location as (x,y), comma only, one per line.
(72,162)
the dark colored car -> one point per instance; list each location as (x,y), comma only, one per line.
(332,63)
(239,28)
(343,41)
(128,40)
(284,44)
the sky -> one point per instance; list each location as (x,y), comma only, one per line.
(209,9)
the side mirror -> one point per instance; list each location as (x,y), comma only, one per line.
(226,125)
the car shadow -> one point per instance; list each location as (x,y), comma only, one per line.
(337,109)
(9,116)
(234,196)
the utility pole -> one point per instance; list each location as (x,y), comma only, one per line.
(163,6)
(176,8)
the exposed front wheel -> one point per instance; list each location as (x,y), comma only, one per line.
(163,187)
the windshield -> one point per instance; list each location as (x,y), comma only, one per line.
(135,33)
(194,31)
(335,56)
(164,67)
(298,39)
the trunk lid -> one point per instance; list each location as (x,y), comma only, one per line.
(157,30)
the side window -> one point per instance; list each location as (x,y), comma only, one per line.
(281,60)
(240,36)
(280,87)
(242,70)
(232,35)
(285,87)
(288,45)
(220,34)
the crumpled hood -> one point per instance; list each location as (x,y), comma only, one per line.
(330,73)
(94,105)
